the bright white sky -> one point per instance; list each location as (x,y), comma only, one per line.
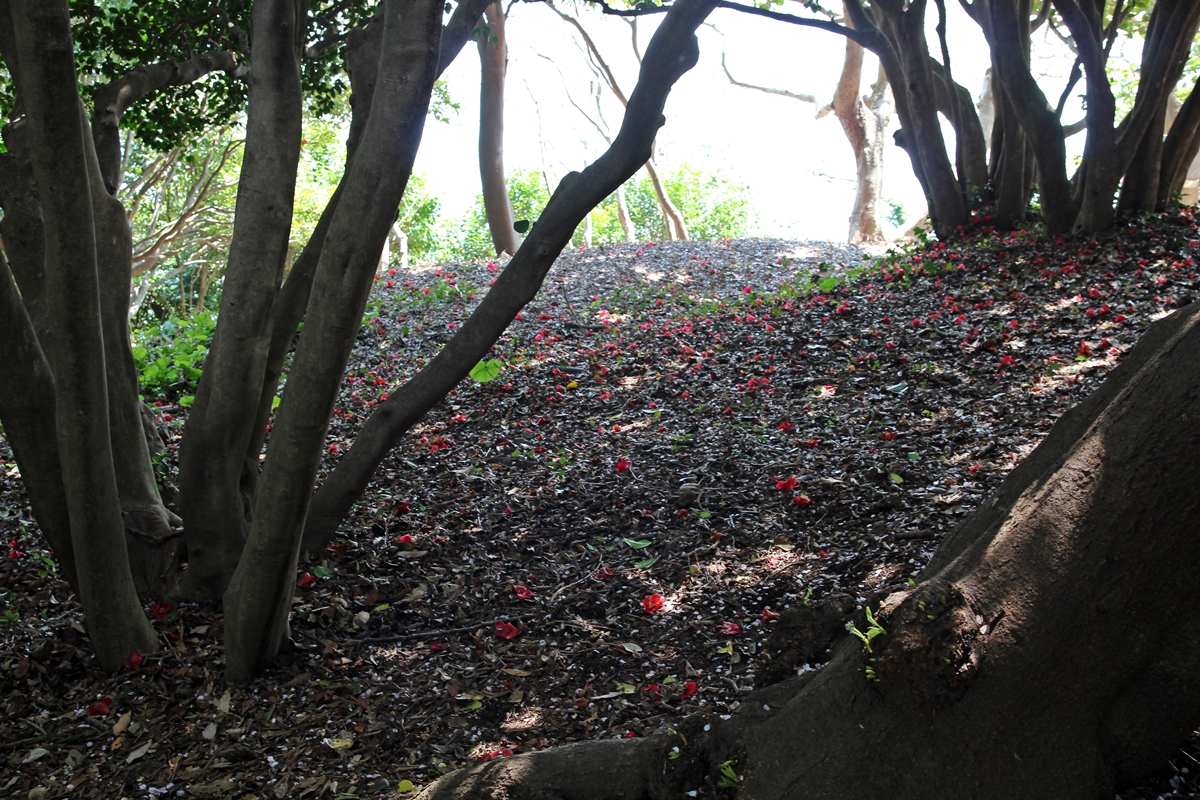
(800,169)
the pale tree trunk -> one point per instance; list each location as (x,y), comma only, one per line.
(493,62)
(623,216)
(402,241)
(1040,654)
(672,219)
(864,121)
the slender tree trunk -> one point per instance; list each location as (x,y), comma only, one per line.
(623,216)
(493,62)
(672,52)
(864,122)
(1180,148)
(259,596)
(59,150)
(1040,654)
(214,499)
(672,219)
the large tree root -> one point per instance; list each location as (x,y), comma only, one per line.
(1047,652)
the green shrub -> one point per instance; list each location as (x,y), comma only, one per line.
(169,355)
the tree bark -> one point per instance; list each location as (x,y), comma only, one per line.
(1005,24)
(864,121)
(493,63)
(1180,148)
(1164,55)
(672,218)
(259,596)
(59,150)
(213,501)
(672,52)
(1040,654)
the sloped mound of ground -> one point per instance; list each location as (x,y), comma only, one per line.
(683,442)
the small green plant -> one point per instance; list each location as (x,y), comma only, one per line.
(9,617)
(874,629)
(486,371)
(729,777)
(46,566)
(169,355)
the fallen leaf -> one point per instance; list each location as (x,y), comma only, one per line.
(138,753)
(121,724)
(210,731)
(35,754)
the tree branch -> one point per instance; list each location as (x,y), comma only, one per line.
(804,98)
(112,100)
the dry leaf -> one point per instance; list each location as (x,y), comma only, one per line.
(138,753)
(120,725)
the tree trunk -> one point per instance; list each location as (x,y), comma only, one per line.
(623,216)
(213,497)
(59,152)
(493,62)
(672,219)
(904,53)
(956,104)
(672,51)
(1040,655)
(864,121)
(1005,24)
(1180,148)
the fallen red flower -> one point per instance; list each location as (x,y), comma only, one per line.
(768,615)
(729,628)
(622,465)
(101,708)
(506,630)
(522,593)
(652,603)
(305,579)
(161,610)
(689,689)
(887,436)
(801,500)
(406,539)
(787,485)
(437,647)
(135,662)
(604,573)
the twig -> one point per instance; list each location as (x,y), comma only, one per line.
(445,632)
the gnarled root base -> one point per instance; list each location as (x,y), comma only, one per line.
(1044,654)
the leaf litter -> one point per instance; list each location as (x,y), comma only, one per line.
(596,535)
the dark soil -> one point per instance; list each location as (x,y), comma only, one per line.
(684,442)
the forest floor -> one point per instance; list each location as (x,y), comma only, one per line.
(683,441)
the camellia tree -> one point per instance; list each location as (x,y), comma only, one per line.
(1043,653)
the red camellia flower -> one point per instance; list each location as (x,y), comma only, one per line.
(305,579)
(801,500)
(622,465)
(522,593)
(786,426)
(729,628)
(689,689)
(887,436)
(100,708)
(768,615)
(437,647)
(1008,361)
(602,574)
(161,610)
(334,450)
(652,603)
(135,661)
(506,630)
(787,485)
(406,539)
(631,734)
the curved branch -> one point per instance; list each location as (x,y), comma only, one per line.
(112,100)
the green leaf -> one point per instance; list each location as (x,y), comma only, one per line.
(636,544)
(405,786)
(828,284)
(485,371)
(894,478)
(322,572)
(187,400)
(275,402)
(646,563)
(521,226)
